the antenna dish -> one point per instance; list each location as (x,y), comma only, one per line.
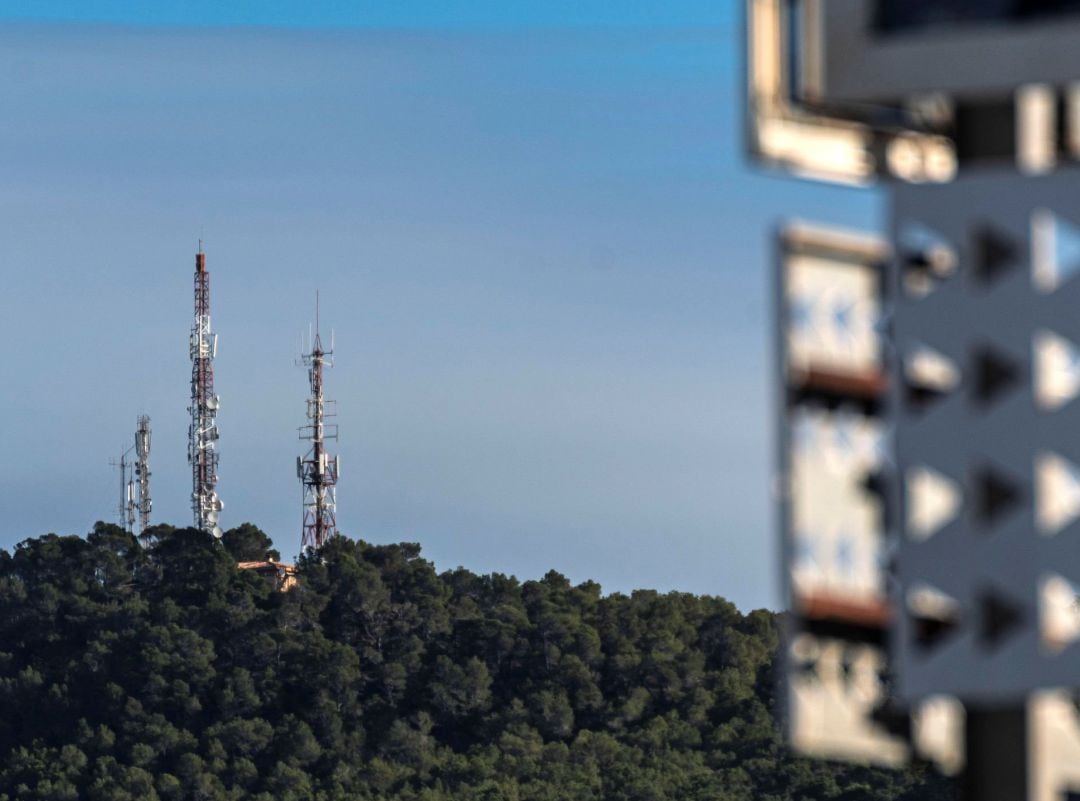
(217,532)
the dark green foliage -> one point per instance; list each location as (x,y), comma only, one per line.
(169,675)
(246,543)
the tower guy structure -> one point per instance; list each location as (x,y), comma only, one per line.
(203,431)
(142,472)
(318,470)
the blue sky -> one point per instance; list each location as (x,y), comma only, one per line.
(533,231)
(468,15)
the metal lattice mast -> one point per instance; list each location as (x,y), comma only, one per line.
(129,501)
(318,470)
(142,471)
(125,510)
(203,431)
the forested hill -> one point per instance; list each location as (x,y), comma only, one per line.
(132,675)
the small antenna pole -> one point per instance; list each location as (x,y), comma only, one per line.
(125,510)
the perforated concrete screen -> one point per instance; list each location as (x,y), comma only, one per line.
(929,448)
(987,437)
(929,485)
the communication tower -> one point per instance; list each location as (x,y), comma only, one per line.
(142,472)
(318,470)
(203,431)
(125,510)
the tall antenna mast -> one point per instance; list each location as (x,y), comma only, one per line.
(125,510)
(142,473)
(318,471)
(203,432)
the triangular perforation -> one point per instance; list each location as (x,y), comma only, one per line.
(995,495)
(995,253)
(1057,488)
(928,377)
(1055,250)
(999,618)
(934,615)
(933,500)
(1059,612)
(927,258)
(994,373)
(1057,370)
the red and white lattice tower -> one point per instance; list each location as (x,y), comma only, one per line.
(142,473)
(318,470)
(203,431)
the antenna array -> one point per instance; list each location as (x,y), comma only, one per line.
(142,472)
(125,510)
(318,470)
(203,431)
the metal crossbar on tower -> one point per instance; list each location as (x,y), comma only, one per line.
(142,472)
(203,431)
(318,470)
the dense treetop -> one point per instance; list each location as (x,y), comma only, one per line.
(131,674)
